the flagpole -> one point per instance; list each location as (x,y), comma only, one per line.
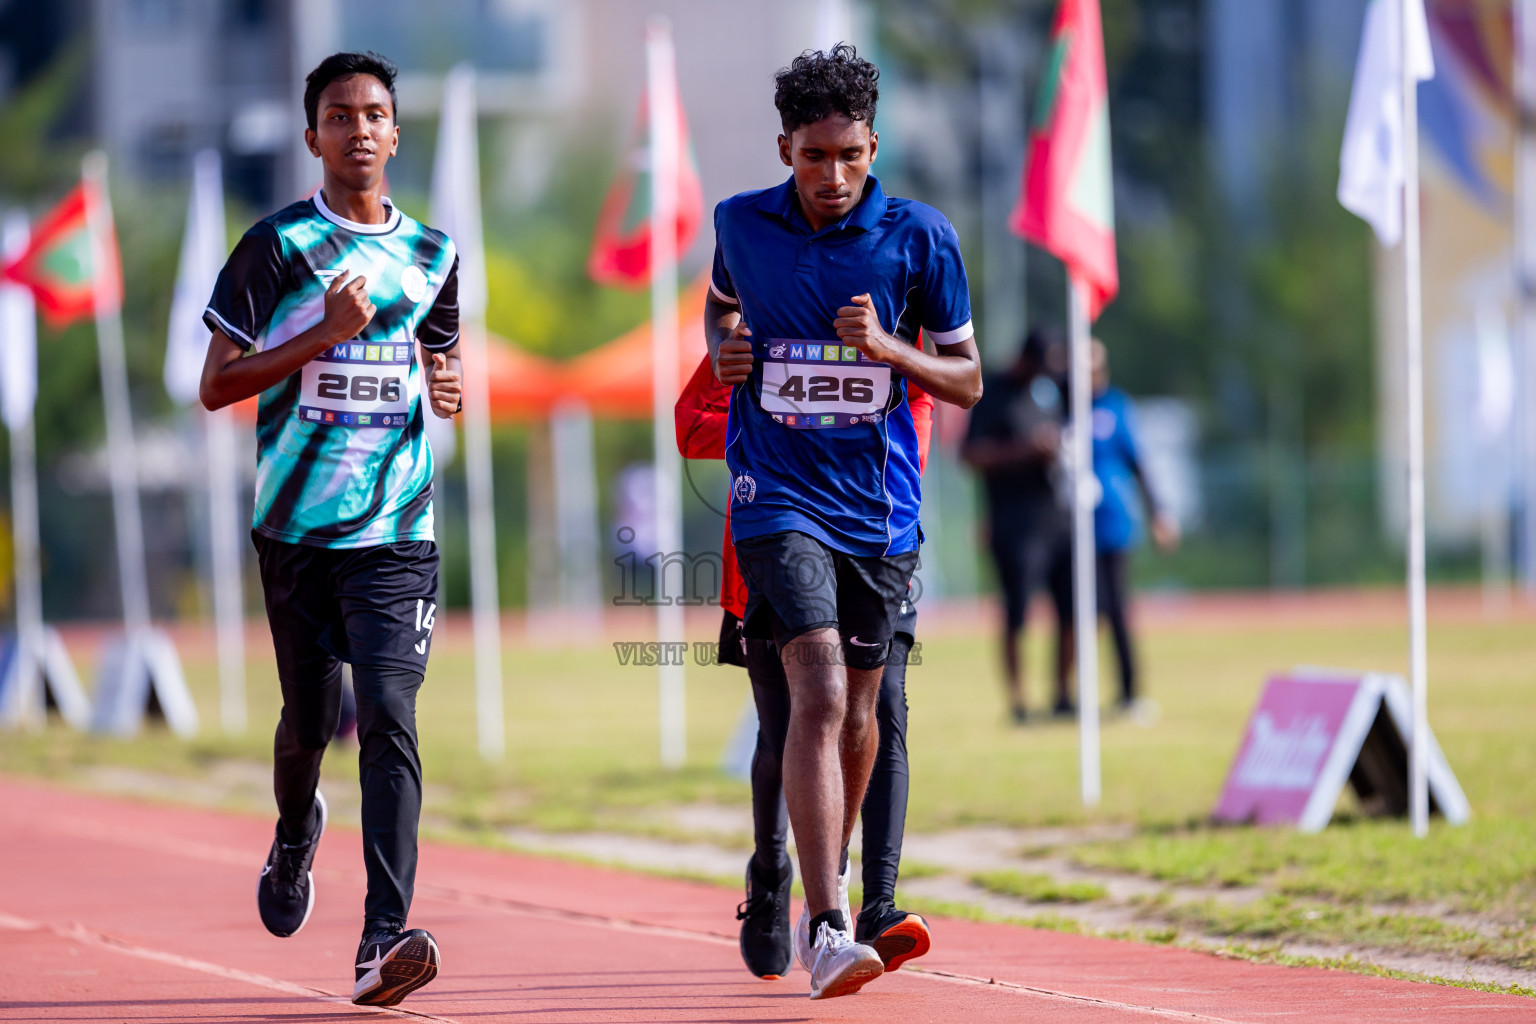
(1418,651)
(661,76)
(203,250)
(31,703)
(122,465)
(224,540)
(483,580)
(1084,575)
(456,208)
(1525,289)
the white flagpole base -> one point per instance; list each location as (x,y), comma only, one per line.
(134,667)
(33,676)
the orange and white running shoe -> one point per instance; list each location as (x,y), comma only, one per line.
(895,934)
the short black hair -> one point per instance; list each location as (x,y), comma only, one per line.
(820,83)
(345,65)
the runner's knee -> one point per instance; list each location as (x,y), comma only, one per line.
(312,731)
(386,699)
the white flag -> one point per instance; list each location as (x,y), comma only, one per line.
(456,211)
(1371,171)
(18,331)
(203,251)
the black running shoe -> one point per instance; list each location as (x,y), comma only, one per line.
(285,892)
(895,934)
(393,964)
(764,917)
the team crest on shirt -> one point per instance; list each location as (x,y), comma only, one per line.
(413,283)
(745,489)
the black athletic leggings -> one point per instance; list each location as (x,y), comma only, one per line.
(884,814)
(388,768)
(1113,584)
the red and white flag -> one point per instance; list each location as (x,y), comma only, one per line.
(59,265)
(1067,204)
(621,246)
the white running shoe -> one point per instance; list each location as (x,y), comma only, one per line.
(840,966)
(803,938)
(842,894)
(803,926)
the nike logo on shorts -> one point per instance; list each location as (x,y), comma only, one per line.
(860,643)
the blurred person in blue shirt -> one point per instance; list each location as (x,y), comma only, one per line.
(1117,518)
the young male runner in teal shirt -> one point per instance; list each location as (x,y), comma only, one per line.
(320,310)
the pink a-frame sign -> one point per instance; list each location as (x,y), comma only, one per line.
(1305,741)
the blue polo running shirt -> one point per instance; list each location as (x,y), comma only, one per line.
(1116,462)
(819,438)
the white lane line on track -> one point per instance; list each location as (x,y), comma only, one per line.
(521,909)
(506,905)
(1155,1011)
(197,850)
(76,932)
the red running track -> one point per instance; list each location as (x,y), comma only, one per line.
(123,911)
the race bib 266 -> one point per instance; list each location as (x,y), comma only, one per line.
(358,384)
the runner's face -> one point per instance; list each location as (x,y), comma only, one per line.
(830,160)
(355,132)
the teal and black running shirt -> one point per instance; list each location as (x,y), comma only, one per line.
(342,459)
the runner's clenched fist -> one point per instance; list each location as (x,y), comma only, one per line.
(859,325)
(444,387)
(347,308)
(733,359)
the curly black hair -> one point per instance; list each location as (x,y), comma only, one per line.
(345,65)
(818,84)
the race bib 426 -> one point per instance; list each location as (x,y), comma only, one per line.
(822,384)
(357,384)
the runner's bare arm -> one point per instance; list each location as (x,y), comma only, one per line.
(445,387)
(1165,528)
(951,375)
(729,350)
(230,375)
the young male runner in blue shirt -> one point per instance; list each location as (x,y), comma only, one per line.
(820,287)
(320,310)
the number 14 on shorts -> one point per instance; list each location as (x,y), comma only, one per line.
(426,614)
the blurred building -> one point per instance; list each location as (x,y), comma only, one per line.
(170,77)
(1274,70)
(174,76)
(31,37)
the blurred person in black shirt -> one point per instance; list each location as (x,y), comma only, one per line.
(1013,441)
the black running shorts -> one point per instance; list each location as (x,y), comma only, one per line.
(796,584)
(365,606)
